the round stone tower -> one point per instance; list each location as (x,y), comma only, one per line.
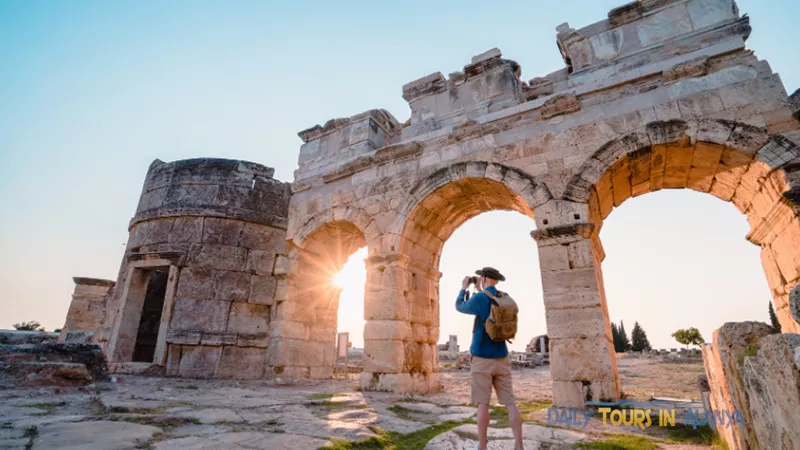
(196,285)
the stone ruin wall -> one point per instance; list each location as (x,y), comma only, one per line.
(752,370)
(221,224)
(87,311)
(661,95)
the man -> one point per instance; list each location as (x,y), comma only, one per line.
(490,364)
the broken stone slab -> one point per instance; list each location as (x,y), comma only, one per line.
(466,436)
(213,415)
(772,382)
(19,337)
(200,430)
(31,374)
(244,440)
(89,355)
(488,54)
(93,435)
(79,337)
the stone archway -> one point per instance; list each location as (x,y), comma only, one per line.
(733,161)
(306,319)
(402,307)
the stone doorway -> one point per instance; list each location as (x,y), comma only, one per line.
(140,331)
(146,339)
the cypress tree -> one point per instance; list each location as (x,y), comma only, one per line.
(639,342)
(618,345)
(774,319)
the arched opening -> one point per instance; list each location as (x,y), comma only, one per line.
(403,310)
(729,160)
(676,259)
(308,322)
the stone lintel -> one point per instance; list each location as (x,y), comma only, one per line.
(563,234)
(173,257)
(93,281)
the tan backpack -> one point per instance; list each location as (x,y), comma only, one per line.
(502,322)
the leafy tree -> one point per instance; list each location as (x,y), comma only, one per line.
(774,319)
(623,337)
(639,342)
(689,336)
(29,326)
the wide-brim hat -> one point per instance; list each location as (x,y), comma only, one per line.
(491,272)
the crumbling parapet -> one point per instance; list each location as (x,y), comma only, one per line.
(87,311)
(196,287)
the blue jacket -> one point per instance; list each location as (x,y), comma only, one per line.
(479,305)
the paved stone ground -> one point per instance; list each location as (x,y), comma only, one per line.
(160,413)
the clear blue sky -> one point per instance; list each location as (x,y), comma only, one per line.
(91,92)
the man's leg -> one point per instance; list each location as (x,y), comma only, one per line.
(483,425)
(505,396)
(481,369)
(516,424)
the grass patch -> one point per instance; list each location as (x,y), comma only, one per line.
(49,407)
(704,434)
(391,440)
(621,442)
(31,432)
(526,410)
(324,396)
(403,413)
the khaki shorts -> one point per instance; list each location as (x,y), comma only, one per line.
(491,372)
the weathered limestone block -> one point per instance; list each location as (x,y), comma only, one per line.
(576,358)
(399,383)
(560,104)
(577,323)
(388,330)
(34,374)
(772,382)
(794,303)
(694,68)
(386,305)
(223,257)
(384,356)
(207,315)
(248,318)
(723,361)
(199,361)
(217,231)
(262,289)
(87,311)
(242,363)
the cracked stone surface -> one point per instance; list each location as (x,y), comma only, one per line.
(99,435)
(168,413)
(534,436)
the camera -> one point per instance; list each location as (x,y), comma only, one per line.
(473,280)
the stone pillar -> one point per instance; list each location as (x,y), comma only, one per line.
(399,353)
(582,360)
(87,310)
(452,346)
(542,349)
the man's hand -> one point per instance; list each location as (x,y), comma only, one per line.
(465,283)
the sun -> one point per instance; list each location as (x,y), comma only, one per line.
(352,275)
